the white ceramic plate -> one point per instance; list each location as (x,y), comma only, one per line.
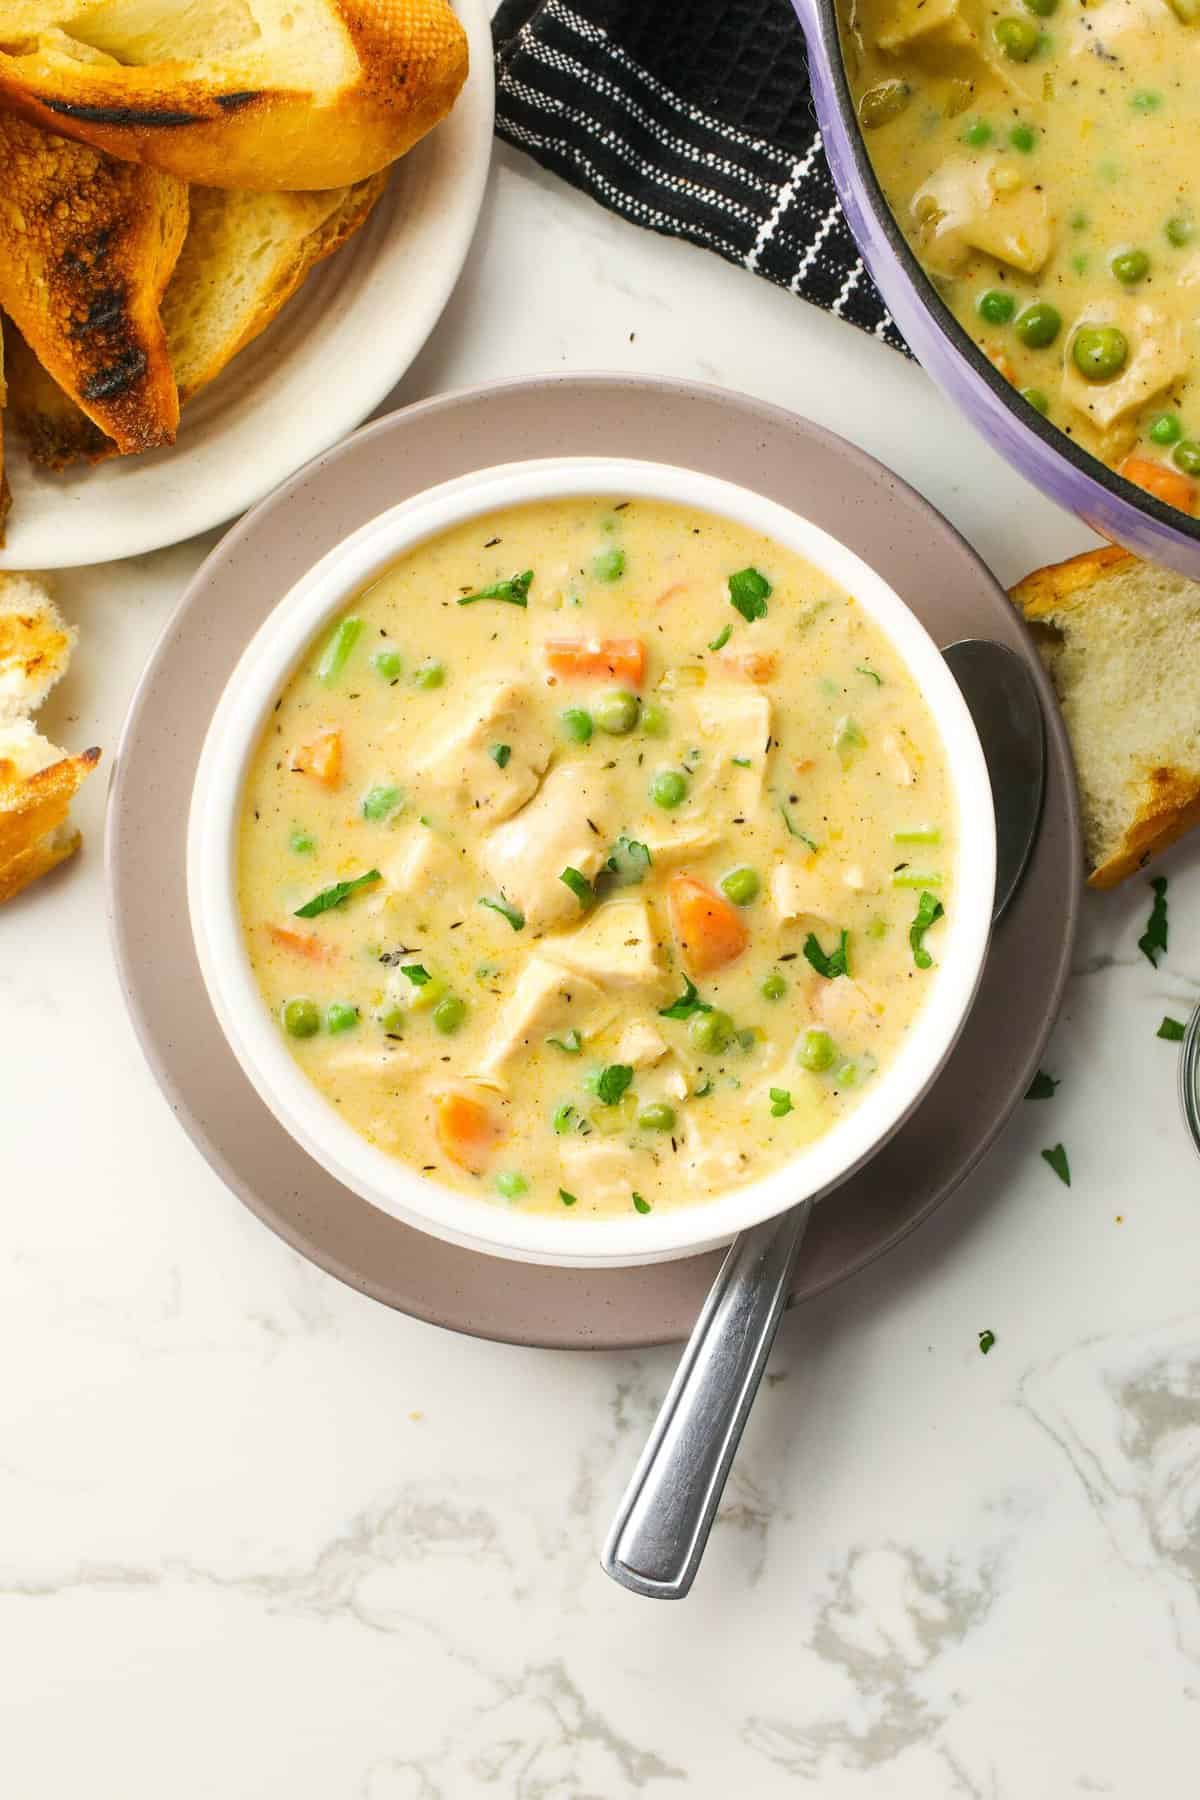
(335,352)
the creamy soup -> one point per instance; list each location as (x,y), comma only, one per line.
(1040,157)
(597,858)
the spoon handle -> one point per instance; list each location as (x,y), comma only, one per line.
(662,1524)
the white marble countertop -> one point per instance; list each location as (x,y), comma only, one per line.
(262,1537)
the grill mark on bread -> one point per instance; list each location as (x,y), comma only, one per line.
(135,118)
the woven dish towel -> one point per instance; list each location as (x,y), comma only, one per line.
(693,118)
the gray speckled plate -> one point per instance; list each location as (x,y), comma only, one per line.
(723,434)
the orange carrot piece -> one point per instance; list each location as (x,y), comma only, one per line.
(320,757)
(597,659)
(1163,483)
(755,665)
(466,1129)
(707,927)
(307,945)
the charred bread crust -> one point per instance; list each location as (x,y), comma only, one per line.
(33,812)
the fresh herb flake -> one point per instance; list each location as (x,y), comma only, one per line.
(1057,1158)
(579,885)
(781,1102)
(500,754)
(515,591)
(567,1199)
(416,973)
(689,1002)
(513,914)
(722,638)
(862,669)
(831,966)
(1042,1086)
(570,1041)
(337,895)
(986,1340)
(640,1205)
(612,1082)
(1173,1030)
(749,591)
(794,830)
(628,861)
(1153,941)
(929,911)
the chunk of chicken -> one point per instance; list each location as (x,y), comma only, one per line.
(567,825)
(989,205)
(548,1001)
(1157,357)
(425,860)
(641,1045)
(363,1081)
(672,840)
(596,1170)
(899,24)
(460,767)
(734,721)
(616,947)
(709,1163)
(797,893)
(849,1012)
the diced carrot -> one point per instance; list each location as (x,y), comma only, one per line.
(466,1129)
(597,659)
(320,757)
(802,764)
(707,928)
(1163,483)
(999,361)
(755,665)
(308,945)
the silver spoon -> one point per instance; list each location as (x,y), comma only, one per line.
(662,1524)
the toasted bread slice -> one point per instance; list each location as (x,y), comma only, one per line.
(5,495)
(87,246)
(35,645)
(244,257)
(1121,639)
(281,94)
(37,784)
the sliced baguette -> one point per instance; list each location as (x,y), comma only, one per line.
(244,257)
(37,785)
(281,94)
(35,646)
(5,495)
(1121,640)
(87,246)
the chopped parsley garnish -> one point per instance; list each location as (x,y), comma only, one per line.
(515,591)
(301,842)
(689,1002)
(417,973)
(567,1199)
(1057,1158)
(337,895)
(986,1340)
(929,911)
(500,754)
(705,1088)
(579,885)
(613,1081)
(781,1102)
(831,966)
(1042,1086)
(862,669)
(794,830)
(749,591)
(1153,941)
(513,914)
(570,1041)
(640,1205)
(628,860)
(740,762)
(1173,1030)
(723,636)
(379,803)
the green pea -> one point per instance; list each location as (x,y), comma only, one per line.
(669,788)
(302,843)
(1023,137)
(1038,325)
(1130,267)
(977,134)
(392,1020)
(431,674)
(576,724)
(387,663)
(301,1018)
(1018,38)
(1180,231)
(1186,456)
(609,565)
(741,886)
(996,306)
(774,987)
(816,1051)
(449,1014)
(659,1117)
(1099,351)
(1166,429)
(339,1016)
(1042,9)
(511,1185)
(617,712)
(655,721)
(1039,401)
(883,103)
(711,1032)
(379,803)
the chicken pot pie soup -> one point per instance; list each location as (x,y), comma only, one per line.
(597,859)
(1036,154)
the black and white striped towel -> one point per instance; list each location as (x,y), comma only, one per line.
(693,118)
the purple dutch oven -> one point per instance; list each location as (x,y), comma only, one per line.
(1043,454)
